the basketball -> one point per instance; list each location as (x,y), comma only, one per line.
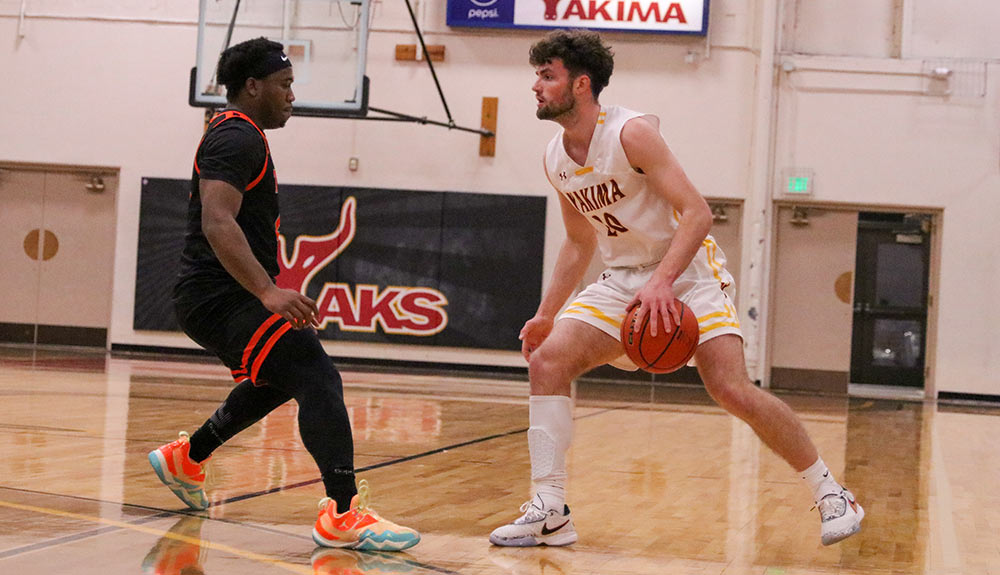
(666,352)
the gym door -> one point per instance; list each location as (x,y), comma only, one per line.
(890,299)
(57,240)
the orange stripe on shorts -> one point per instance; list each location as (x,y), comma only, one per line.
(256,337)
(267,349)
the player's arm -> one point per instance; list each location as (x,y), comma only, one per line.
(220,203)
(646,151)
(574,258)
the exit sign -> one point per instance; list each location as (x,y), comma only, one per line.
(797,182)
(798,185)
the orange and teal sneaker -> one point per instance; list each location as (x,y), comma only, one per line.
(185,477)
(360,527)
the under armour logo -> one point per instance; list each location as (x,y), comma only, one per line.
(563,176)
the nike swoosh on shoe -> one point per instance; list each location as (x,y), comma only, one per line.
(547,531)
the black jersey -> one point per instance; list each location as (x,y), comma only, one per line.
(233,150)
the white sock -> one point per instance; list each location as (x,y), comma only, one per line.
(820,480)
(550,431)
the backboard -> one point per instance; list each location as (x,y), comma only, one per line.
(325,39)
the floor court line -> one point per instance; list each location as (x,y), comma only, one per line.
(78,536)
(159,514)
(91,500)
(14,551)
(114,526)
(292,567)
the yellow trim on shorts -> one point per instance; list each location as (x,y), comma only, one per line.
(583,171)
(731,309)
(710,248)
(709,328)
(705,318)
(593,312)
(729,313)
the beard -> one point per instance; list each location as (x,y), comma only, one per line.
(277,118)
(558,108)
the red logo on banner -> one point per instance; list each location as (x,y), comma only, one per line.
(313,253)
(398,310)
(550,9)
(621,11)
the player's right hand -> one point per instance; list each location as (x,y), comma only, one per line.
(299,310)
(533,333)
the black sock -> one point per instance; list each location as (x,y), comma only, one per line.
(204,441)
(340,487)
(246,404)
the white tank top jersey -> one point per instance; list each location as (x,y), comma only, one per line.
(634,224)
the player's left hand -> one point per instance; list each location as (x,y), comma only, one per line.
(533,333)
(656,298)
(300,311)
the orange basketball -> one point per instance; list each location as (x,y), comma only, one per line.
(667,351)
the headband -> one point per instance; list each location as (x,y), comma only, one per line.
(274,61)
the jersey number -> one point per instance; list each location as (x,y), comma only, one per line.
(612,223)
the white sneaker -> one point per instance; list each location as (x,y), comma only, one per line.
(841,515)
(536,527)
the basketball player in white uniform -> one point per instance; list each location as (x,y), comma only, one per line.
(621,189)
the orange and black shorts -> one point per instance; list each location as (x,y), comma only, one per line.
(239,330)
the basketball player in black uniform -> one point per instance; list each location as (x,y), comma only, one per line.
(226,300)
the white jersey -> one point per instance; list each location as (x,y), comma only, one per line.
(634,227)
(634,224)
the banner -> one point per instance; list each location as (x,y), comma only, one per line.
(659,16)
(394,266)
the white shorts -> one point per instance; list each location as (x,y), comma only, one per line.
(602,304)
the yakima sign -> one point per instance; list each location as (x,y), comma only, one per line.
(663,16)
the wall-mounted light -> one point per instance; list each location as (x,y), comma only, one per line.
(95,185)
(719,213)
(800,216)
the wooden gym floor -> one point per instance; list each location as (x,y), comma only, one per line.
(661,481)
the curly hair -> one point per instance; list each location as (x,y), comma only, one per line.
(242,61)
(581,52)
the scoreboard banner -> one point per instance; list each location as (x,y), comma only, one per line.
(658,16)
